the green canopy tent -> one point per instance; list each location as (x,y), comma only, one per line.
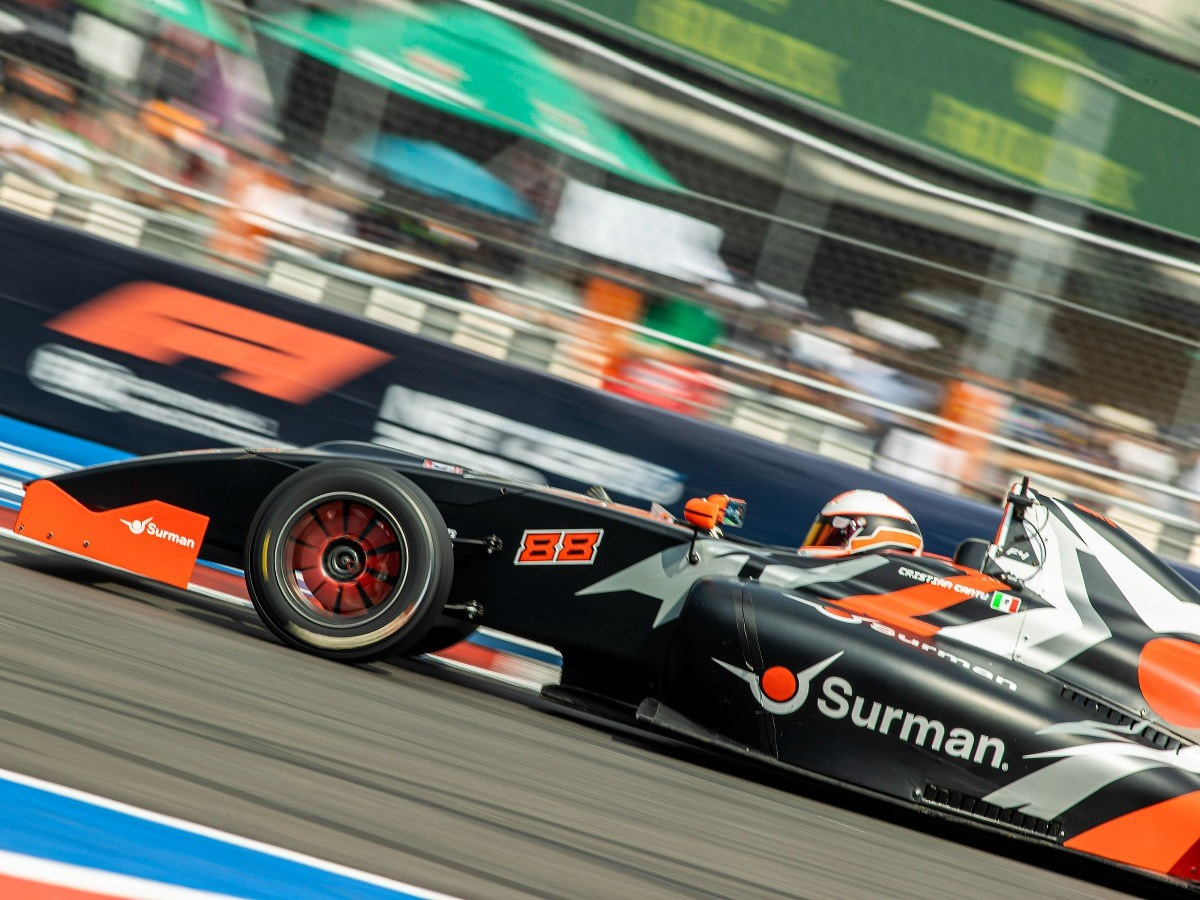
(471,64)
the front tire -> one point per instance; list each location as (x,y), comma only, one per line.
(349,561)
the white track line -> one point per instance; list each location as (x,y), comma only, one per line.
(221,836)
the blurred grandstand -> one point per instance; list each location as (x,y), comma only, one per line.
(998,280)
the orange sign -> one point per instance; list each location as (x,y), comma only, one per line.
(153,538)
(259,352)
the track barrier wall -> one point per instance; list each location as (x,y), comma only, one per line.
(147,355)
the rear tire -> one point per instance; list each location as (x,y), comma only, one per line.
(349,561)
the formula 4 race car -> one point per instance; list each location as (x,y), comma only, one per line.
(1046,684)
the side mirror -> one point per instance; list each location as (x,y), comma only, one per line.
(714,511)
(733,510)
(704,514)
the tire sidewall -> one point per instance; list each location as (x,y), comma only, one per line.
(410,609)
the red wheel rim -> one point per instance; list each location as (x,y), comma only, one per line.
(345,558)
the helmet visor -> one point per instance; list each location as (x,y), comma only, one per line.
(833,531)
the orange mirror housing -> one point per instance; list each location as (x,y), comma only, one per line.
(704,514)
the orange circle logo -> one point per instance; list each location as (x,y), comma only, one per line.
(779,684)
(1169,676)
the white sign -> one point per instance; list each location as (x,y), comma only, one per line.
(639,234)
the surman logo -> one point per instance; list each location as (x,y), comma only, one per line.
(147,526)
(916,642)
(137,526)
(781,691)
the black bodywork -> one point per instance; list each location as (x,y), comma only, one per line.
(1055,694)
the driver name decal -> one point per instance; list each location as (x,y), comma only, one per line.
(559,547)
(945,583)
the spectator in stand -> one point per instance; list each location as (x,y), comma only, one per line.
(256,188)
(325,207)
(1046,418)
(664,374)
(269,204)
(38,139)
(1189,480)
(122,135)
(1133,443)
(866,366)
(386,226)
(684,318)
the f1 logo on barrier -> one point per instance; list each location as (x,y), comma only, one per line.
(559,547)
(261,353)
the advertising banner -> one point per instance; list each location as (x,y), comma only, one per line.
(139,353)
(1023,95)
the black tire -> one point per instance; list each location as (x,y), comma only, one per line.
(350,561)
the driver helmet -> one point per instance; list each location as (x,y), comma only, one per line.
(859,520)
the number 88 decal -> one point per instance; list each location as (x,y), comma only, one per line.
(559,547)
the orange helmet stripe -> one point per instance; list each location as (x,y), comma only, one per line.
(885,537)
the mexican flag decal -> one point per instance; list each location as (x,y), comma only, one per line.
(1005,603)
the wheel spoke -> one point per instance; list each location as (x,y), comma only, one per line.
(367,602)
(321,590)
(371,526)
(386,548)
(316,518)
(306,558)
(383,576)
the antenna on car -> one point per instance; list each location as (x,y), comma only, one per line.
(1020,499)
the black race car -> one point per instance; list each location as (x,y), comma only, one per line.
(1046,684)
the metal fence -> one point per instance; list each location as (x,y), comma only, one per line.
(716,255)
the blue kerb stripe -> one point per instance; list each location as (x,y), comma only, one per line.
(14,473)
(497,642)
(39,823)
(60,446)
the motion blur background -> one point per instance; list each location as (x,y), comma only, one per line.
(946,241)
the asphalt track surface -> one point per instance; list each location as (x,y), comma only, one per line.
(187,707)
